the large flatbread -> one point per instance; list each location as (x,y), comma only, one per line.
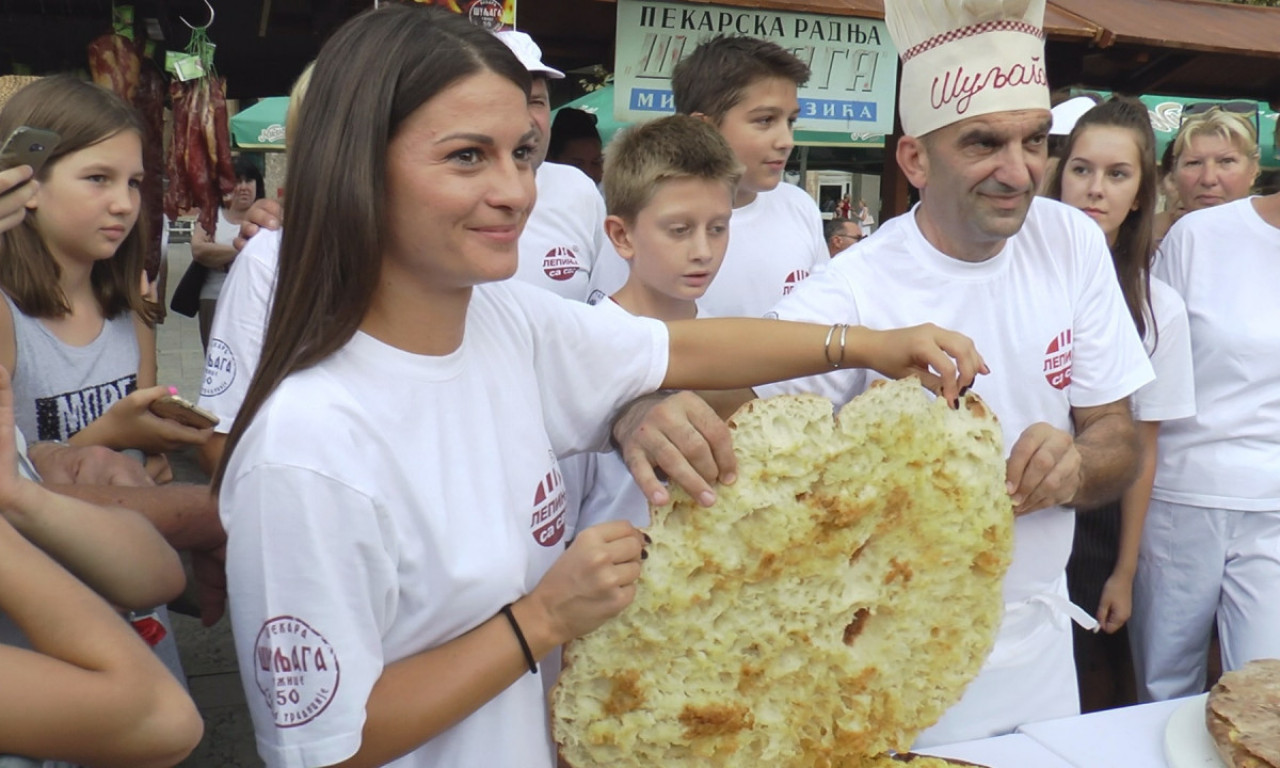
(835,601)
(1243,715)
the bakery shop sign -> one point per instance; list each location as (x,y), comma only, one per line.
(853,62)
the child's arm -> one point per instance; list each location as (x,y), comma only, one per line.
(115,552)
(1116,605)
(733,353)
(88,674)
(147,366)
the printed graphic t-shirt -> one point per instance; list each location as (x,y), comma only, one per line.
(59,389)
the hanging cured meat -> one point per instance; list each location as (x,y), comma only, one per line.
(199,163)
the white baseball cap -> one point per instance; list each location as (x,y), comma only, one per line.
(1068,112)
(528,52)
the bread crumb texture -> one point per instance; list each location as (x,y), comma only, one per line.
(831,605)
(1242,714)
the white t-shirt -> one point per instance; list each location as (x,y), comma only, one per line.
(1172,395)
(775,241)
(564,233)
(1225,263)
(235,340)
(1046,313)
(224,234)
(385,503)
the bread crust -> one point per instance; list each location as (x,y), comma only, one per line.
(1242,714)
(835,601)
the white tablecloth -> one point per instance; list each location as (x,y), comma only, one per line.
(1130,737)
(1012,751)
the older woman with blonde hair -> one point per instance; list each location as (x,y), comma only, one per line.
(1215,158)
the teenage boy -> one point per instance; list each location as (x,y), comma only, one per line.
(670,185)
(746,88)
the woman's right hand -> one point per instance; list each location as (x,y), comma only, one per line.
(129,423)
(263,214)
(592,581)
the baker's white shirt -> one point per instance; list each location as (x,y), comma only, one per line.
(1046,313)
(1225,263)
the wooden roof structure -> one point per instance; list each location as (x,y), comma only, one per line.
(1180,47)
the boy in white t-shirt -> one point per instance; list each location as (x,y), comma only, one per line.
(747,89)
(670,186)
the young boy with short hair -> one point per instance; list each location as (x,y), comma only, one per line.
(669,186)
(747,89)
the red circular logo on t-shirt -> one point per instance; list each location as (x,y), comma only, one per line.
(560,263)
(547,522)
(1057,361)
(793,280)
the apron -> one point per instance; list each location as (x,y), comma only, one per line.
(1030,675)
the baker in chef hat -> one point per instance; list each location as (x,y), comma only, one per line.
(964,58)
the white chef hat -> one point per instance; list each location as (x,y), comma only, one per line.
(963,58)
(528,52)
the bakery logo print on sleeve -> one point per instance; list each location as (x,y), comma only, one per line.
(547,521)
(794,279)
(561,263)
(219,368)
(296,670)
(1057,361)
(58,417)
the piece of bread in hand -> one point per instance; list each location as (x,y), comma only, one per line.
(834,602)
(1242,713)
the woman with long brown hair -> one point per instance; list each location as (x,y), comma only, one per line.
(390,489)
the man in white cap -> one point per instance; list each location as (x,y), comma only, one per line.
(565,231)
(1029,279)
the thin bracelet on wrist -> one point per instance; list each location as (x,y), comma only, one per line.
(524,644)
(826,347)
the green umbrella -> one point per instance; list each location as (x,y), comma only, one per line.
(600,103)
(261,126)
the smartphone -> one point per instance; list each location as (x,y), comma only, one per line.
(183,412)
(28,146)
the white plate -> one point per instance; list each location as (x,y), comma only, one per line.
(1187,743)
